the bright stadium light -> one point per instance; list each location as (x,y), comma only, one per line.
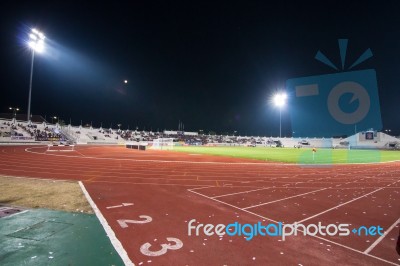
(280,101)
(36,43)
(14,109)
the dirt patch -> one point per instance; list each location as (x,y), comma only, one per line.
(39,193)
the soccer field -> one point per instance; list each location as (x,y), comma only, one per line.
(301,156)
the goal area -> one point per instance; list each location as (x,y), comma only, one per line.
(163,144)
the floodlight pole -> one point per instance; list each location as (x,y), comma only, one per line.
(280,122)
(30,87)
(36,44)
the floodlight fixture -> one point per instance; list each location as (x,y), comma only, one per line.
(280,101)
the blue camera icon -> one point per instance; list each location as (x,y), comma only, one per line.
(334,104)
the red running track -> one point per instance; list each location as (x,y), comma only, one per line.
(148,198)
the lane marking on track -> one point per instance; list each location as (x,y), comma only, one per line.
(261,163)
(373,245)
(247,191)
(253,206)
(261,216)
(233,206)
(91,179)
(160,161)
(80,153)
(345,203)
(154,184)
(320,238)
(119,206)
(110,233)
(355,250)
(102,168)
(243,177)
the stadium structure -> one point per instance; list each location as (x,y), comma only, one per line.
(122,197)
(39,131)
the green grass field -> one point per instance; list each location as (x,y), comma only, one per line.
(300,156)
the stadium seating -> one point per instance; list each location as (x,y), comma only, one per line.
(15,131)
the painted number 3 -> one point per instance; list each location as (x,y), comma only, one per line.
(177,244)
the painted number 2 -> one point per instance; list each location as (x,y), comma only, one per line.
(164,247)
(124,223)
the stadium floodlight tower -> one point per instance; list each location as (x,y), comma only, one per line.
(280,101)
(36,43)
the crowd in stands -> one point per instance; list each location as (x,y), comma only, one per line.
(107,133)
(44,132)
(87,134)
(10,129)
(191,139)
(32,130)
(139,135)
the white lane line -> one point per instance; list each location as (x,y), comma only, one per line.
(203,187)
(253,206)
(320,238)
(340,205)
(355,250)
(119,206)
(233,206)
(247,191)
(381,237)
(79,153)
(110,233)
(215,163)
(161,161)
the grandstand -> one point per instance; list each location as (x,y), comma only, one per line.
(40,131)
(90,135)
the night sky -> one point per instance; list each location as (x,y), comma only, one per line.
(213,65)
